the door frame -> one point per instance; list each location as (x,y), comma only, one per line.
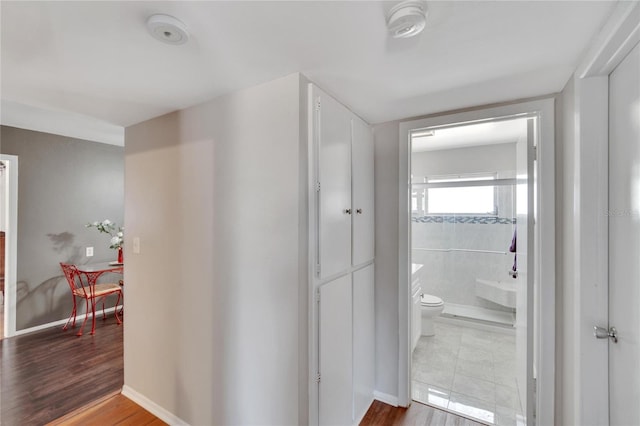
(10,205)
(545,254)
(589,293)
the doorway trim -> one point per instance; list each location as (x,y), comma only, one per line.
(587,399)
(10,204)
(544,314)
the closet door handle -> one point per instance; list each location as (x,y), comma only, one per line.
(359,211)
(603,333)
(347,211)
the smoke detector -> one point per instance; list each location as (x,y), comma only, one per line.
(167,29)
(407,19)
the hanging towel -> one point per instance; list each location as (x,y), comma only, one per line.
(513,249)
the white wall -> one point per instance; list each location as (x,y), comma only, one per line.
(583,249)
(216,329)
(480,159)
(559,314)
(386,269)
(583,279)
(565,171)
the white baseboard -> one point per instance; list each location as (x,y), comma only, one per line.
(59,322)
(386,398)
(152,407)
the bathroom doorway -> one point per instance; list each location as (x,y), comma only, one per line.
(474,260)
(465,272)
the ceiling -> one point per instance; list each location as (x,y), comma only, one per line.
(470,135)
(95,63)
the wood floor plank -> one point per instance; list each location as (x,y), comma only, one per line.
(381,414)
(116,410)
(45,376)
(50,373)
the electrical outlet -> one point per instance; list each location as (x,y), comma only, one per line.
(89,251)
(136,245)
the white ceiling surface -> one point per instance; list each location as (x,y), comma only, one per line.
(470,135)
(96,59)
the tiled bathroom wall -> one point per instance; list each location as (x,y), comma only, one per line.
(451,275)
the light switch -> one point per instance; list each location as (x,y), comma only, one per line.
(136,245)
(89,251)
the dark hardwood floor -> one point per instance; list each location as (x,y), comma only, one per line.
(55,376)
(381,414)
(48,374)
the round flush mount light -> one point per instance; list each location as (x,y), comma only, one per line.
(167,29)
(407,19)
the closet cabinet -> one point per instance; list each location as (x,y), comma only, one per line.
(343,144)
(363,340)
(362,192)
(332,137)
(342,243)
(336,352)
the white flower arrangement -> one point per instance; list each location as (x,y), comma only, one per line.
(108,227)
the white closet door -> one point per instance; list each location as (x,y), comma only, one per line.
(363,340)
(333,138)
(362,181)
(335,359)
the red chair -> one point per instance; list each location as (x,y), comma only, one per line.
(80,287)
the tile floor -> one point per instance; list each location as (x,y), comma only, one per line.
(468,371)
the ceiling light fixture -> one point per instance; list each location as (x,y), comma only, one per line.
(167,29)
(407,19)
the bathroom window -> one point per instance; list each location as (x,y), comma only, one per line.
(461,194)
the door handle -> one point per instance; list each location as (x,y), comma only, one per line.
(512,273)
(347,211)
(359,211)
(603,333)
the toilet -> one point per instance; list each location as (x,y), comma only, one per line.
(431,307)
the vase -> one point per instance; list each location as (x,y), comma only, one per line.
(120,255)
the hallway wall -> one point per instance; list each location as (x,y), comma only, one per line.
(217,297)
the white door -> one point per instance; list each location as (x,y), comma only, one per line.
(524,262)
(332,136)
(336,356)
(9,217)
(362,186)
(624,241)
(363,340)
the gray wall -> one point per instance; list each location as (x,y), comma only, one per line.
(63,183)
